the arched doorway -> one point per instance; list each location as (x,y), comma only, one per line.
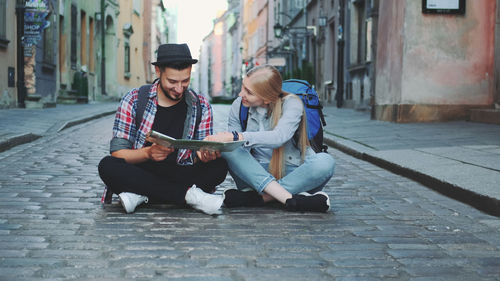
(110,55)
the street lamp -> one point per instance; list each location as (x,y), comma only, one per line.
(322,21)
(278,30)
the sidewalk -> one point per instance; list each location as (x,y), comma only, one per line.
(18,126)
(459,159)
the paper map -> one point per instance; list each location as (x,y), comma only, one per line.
(168,141)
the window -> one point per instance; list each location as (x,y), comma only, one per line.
(127,32)
(127,60)
(91,46)
(137,7)
(358,32)
(360,11)
(74,15)
(83,38)
(48,44)
(3,23)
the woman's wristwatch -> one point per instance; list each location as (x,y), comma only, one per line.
(235,136)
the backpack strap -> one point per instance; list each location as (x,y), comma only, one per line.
(198,112)
(142,100)
(243,116)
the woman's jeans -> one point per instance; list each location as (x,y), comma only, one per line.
(311,176)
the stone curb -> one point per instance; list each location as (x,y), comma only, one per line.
(86,119)
(481,202)
(16,140)
(20,139)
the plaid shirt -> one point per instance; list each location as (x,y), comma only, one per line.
(125,129)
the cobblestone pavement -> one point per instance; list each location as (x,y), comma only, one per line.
(382,227)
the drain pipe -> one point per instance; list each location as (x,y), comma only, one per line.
(103,48)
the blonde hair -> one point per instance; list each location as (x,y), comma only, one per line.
(266,83)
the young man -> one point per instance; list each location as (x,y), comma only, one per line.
(142,172)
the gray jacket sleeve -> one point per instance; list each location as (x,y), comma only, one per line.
(233,122)
(284,130)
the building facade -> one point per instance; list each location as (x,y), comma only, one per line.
(395,58)
(76,51)
(8,55)
(79,54)
(432,66)
(322,15)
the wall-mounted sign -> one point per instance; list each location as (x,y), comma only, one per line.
(34,23)
(443,7)
(277,61)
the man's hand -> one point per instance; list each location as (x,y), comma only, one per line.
(158,152)
(207,155)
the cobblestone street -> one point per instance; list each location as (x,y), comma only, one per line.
(382,227)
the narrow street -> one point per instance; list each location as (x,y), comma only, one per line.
(381,227)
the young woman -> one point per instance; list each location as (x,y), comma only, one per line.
(276,161)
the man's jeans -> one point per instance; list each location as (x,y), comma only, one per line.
(311,176)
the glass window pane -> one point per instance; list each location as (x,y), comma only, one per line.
(3,18)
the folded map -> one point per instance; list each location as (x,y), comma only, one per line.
(168,141)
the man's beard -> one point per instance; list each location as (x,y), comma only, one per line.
(167,93)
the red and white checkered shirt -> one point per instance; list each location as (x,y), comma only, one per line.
(124,125)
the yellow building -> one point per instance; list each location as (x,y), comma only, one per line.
(129,70)
(8,88)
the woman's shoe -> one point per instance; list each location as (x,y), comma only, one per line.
(236,198)
(305,202)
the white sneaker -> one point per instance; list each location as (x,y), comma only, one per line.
(207,203)
(130,201)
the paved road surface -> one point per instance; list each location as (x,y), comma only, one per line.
(382,227)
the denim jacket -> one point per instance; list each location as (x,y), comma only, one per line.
(261,138)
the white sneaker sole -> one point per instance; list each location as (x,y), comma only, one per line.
(125,202)
(197,199)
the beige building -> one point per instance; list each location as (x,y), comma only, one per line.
(89,51)
(8,45)
(434,67)
(129,69)
(78,28)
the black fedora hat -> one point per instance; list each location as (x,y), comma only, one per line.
(170,53)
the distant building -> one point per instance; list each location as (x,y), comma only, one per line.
(204,66)
(76,51)
(8,55)
(254,20)
(400,59)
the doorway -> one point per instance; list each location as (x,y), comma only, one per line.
(496,94)
(110,56)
